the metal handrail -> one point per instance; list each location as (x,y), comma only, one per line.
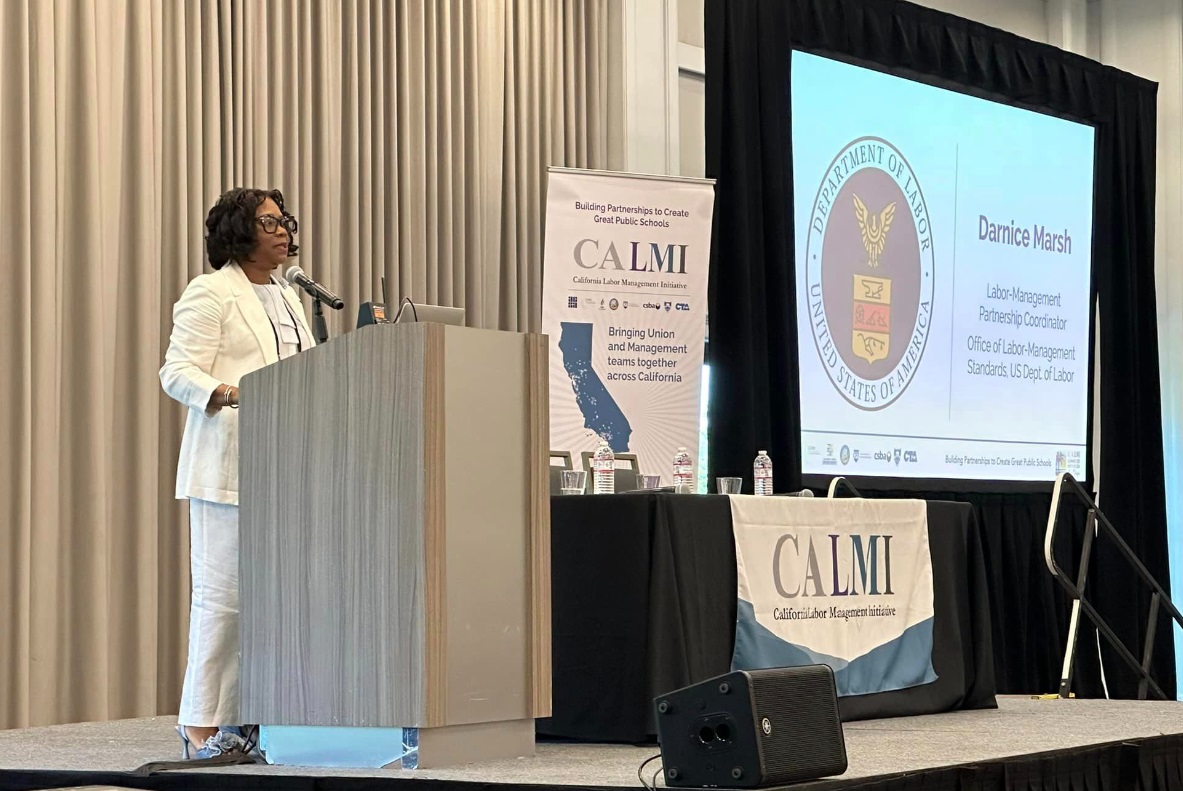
(1095,524)
(838,482)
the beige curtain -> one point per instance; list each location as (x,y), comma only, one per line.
(411,139)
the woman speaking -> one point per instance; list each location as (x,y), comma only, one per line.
(226,324)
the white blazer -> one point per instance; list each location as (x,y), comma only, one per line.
(220,333)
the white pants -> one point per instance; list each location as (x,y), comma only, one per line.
(210,694)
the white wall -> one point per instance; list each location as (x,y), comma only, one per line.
(657,94)
(691,89)
(643,121)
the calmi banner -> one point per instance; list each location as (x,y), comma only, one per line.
(624,304)
(841,582)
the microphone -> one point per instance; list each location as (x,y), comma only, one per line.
(295,275)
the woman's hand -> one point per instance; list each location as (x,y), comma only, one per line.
(223,396)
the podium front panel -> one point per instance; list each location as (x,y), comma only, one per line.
(392,543)
(332,541)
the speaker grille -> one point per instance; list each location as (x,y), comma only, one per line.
(749,729)
(797,723)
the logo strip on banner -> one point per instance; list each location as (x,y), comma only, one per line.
(625,267)
(844,583)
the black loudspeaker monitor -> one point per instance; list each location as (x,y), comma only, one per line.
(752,728)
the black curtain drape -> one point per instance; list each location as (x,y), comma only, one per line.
(753,338)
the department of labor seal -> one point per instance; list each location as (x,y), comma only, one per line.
(869,273)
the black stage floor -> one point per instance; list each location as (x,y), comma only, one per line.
(1024,744)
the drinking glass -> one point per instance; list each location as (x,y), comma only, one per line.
(574,481)
(728,485)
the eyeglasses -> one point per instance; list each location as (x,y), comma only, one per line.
(270,223)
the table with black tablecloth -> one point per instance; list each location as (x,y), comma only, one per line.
(644,597)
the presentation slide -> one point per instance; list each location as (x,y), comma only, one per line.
(943,251)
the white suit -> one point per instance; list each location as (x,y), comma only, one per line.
(221,332)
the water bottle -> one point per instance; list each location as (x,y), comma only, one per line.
(604,470)
(683,472)
(762,472)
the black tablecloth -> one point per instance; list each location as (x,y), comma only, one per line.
(643,597)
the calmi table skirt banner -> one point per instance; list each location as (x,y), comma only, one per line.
(624,299)
(841,582)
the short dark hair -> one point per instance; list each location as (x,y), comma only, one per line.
(230,233)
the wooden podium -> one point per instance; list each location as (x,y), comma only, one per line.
(395,538)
